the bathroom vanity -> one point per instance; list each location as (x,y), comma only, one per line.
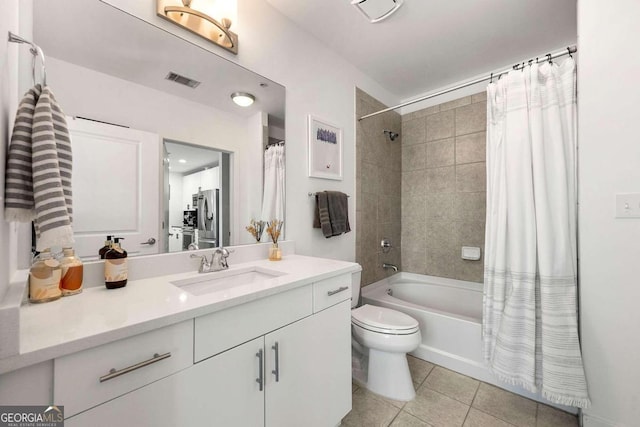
(273,349)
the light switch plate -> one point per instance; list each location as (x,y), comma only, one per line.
(628,205)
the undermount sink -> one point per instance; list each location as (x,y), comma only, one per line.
(225,279)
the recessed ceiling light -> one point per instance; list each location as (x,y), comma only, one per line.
(182,161)
(243,99)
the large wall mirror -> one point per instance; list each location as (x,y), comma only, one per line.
(162,156)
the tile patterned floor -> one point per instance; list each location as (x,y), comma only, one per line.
(446,398)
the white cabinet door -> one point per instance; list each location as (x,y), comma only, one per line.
(116,186)
(314,369)
(219,391)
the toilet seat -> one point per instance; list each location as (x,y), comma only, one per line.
(384,320)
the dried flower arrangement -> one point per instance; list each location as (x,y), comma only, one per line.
(255,229)
(274,228)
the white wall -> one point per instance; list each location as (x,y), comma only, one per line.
(87,93)
(176,202)
(273,46)
(8,86)
(609,111)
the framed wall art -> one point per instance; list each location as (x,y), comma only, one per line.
(325,149)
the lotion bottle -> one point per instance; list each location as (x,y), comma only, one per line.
(115,266)
(44,278)
(72,273)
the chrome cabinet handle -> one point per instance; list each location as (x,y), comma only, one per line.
(150,241)
(113,373)
(337,291)
(276,371)
(260,379)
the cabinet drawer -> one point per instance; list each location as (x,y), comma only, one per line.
(331,291)
(85,379)
(217,332)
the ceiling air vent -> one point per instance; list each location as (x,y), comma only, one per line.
(182,80)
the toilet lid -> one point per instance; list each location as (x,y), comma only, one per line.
(383,319)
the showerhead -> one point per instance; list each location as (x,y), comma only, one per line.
(392,135)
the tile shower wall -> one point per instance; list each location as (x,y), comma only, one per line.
(378,177)
(443,188)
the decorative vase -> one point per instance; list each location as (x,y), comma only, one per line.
(275,254)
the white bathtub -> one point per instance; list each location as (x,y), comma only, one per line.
(450,316)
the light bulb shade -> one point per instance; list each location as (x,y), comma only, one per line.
(243,99)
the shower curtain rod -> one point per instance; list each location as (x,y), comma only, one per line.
(547,57)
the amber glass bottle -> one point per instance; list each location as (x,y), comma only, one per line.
(72,273)
(115,266)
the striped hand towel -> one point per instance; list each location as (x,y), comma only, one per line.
(38,176)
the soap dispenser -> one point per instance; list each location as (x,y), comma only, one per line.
(107,245)
(44,278)
(115,266)
(72,273)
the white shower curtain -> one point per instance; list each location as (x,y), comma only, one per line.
(273,198)
(530,332)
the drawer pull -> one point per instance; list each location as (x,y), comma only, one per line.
(276,371)
(113,373)
(260,379)
(337,291)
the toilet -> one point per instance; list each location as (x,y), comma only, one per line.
(381,339)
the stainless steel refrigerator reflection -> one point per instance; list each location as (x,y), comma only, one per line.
(207,202)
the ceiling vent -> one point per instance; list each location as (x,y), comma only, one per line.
(182,80)
(377,10)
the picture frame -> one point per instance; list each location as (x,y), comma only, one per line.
(325,149)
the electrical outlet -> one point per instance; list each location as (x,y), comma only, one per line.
(628,205)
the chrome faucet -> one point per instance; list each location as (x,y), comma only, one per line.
(218,260)
(385,265)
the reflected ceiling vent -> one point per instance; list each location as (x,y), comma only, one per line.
(182,80)
(377,10)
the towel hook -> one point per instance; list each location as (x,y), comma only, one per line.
(36,51)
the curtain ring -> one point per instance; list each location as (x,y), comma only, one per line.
(549,58)
(536,59)
(569,50)
(491,80)
(522,69)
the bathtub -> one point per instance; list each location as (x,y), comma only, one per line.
(450,316)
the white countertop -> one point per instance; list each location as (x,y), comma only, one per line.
(99,315)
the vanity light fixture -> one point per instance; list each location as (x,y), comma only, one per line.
(377,10)
(216,31)
(243,99)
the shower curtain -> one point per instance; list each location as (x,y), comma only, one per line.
(530,328)
(273,198)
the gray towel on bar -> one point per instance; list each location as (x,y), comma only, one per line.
(321,218)
(38,175)
(332,213)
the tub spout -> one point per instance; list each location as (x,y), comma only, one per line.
(385,265)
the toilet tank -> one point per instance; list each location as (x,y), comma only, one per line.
(355,288)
